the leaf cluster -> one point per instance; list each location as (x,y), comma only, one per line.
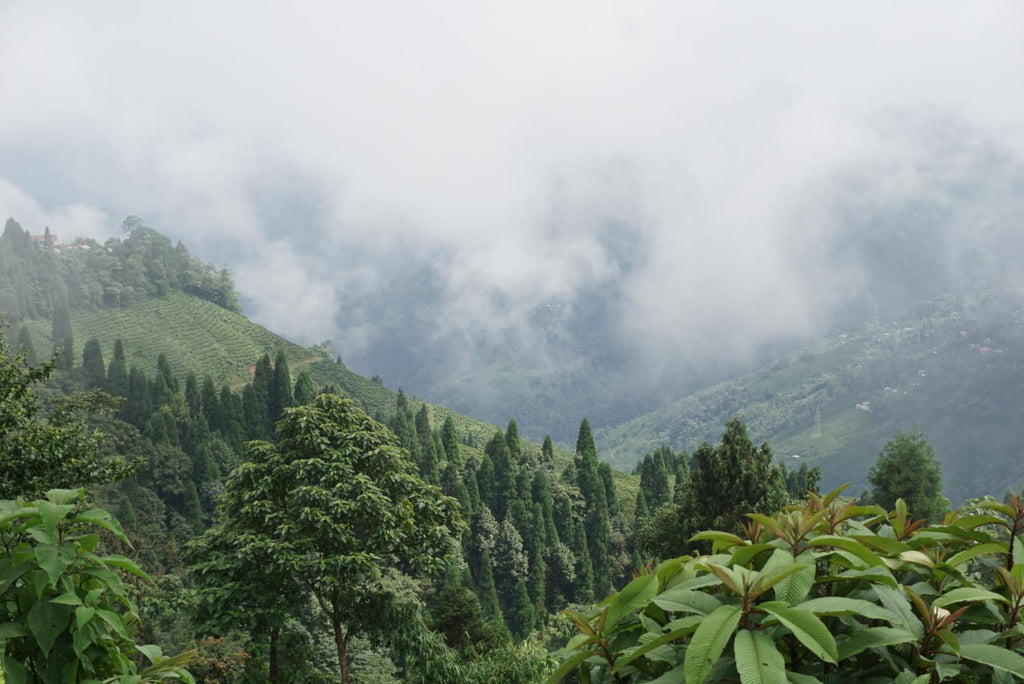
(818,592)
(66,615)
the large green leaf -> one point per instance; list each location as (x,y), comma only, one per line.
(870,638)
(633,596)
(757,659)
(965,595)
(975,551)
(841,605)
(709,641)
(806,627)
(687,601)
(54,560)
(47,620)
(850,546)
(994,656)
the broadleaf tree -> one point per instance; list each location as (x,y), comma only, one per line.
(337,501)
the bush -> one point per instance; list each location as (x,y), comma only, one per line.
(825,591)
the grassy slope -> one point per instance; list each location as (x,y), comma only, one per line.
(198,336)
(951,370)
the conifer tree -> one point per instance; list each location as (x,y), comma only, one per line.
(192,398)
(520,613)
(515,450)
(192,510)
(160,392)
(450,440)
(605,471)
(486,481)
(257,414)
(280,388)
(137,409)
(504,474)
(423,427)
(163,368)
(117,372)
(305,390)
(211,405)
(93,366)
(486,591)
(596,521)
(547,452)
(542,497)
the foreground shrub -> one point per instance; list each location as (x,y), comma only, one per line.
(826,591)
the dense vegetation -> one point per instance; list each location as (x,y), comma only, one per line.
(278,518)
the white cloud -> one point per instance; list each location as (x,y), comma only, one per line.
(499,140)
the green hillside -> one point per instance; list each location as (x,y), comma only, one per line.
(952,368)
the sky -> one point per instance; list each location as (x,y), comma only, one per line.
(513,147)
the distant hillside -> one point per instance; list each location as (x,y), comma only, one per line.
(953,368)
(158,300)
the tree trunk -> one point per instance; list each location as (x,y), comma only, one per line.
(274,632)
(341,642)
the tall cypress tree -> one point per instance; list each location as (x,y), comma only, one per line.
(450,440)
(547,452)
(305,390)
(280,388)
(211,405)
(117,372)
(257,410)
(504,473)
(137,409)
(93,366)
(596,520)
(163,368)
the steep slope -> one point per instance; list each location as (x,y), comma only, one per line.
(952,368)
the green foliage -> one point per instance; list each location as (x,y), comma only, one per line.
(41,449)
(819,591)
(723,482)
(907,469)
(66,614)
(333,504)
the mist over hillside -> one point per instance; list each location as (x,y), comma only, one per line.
(524,210)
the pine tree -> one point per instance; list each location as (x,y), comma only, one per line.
(605,471)
(450,440)
(117,372)
(280,388)
(305,390)
(160,392)
(521,614)
(257,415)
(192,510)
(139,405)
(192,396)
(504,473)
(596,520)
(211,405)
(542,497)
(515,450)
(93,366)
(163,368)
(486,591)
(547,452)
(422,427)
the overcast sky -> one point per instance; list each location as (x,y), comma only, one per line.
(500,140)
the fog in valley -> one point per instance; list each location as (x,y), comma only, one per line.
(532,209)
